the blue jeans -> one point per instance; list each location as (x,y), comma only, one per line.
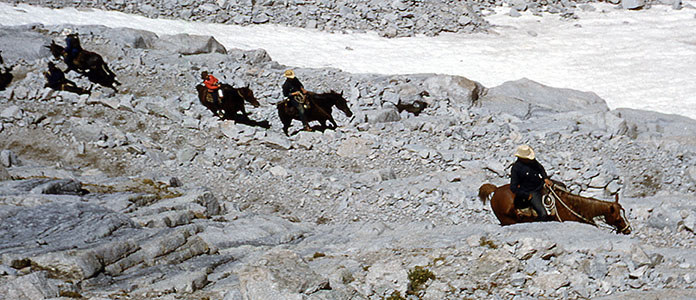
(300,110)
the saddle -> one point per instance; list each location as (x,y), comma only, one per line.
(302,99)
(209,96)
(524,206)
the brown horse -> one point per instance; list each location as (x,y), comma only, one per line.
(568,207)
(320,107)
(231,102)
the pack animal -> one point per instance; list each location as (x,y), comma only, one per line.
(5,78)
(89,64)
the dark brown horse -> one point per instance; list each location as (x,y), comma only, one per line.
(320,107)
(89,64)
(231,102)
(568,207)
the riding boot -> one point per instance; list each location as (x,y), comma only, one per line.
(538,206)
(216,97)
(303,117)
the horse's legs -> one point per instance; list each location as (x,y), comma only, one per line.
(331,119)
(286,125)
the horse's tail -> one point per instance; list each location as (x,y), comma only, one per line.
(485,191)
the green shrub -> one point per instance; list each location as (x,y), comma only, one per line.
(417,277)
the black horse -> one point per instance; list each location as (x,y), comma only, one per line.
(5,78)
(89,64)
(320,107)
(231,102)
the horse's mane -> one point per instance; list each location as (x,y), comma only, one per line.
(587,204)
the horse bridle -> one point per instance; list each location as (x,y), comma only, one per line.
(623,214)
(628,225)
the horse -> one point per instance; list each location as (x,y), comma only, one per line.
(320,107)
(5,78)
(231,102)
(104,77)
(89,64)
(568,207)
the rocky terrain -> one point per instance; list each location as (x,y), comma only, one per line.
(395,18)
(144,194)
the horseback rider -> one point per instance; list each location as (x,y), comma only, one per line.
(72,48)
(527,179)
(213,86)
(297,95)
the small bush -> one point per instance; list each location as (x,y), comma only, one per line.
(417,278)
(395,296)
(484,242)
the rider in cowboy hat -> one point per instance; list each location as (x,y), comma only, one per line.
(527,179)
(295,92)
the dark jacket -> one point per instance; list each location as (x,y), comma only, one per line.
(527,177)
(291,85)
(72,44)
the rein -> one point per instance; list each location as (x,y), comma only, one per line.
(623,215)
(569,209)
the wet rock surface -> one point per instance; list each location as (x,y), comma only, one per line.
(144,194)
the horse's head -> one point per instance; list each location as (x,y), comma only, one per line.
(616,217)
(56,50)
(248,96)
(341,103)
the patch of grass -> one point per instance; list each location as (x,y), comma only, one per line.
(394,296)
(417,277)
(70,294)
(484,242)
(142,186)
(318,255)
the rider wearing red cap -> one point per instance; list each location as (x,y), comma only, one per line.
(212,84)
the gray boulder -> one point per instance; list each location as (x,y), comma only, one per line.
(4,175)
(60,187)
(387,114)
(647,124)
(22,43)
(632,4)
(280,274)
(8,159)
(525,98)
(186,44)
(31,286)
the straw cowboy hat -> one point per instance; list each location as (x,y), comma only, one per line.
(289,74)
(66,32)
(524,151)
